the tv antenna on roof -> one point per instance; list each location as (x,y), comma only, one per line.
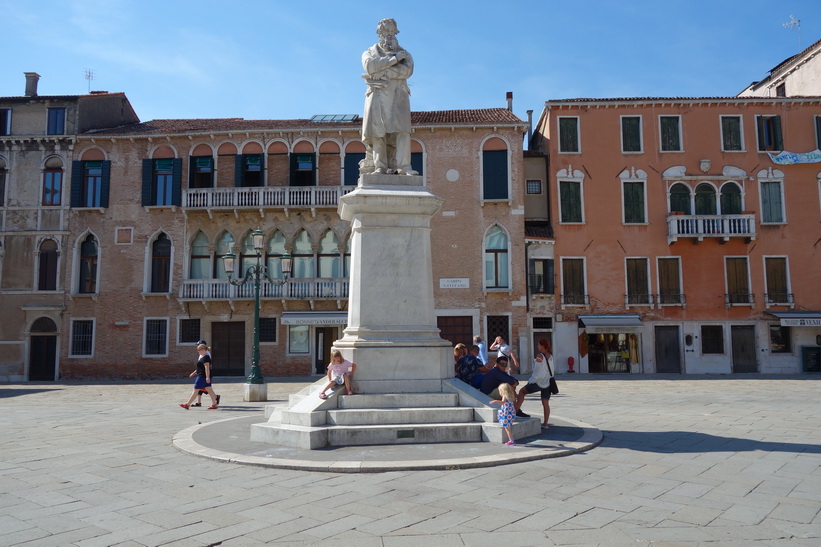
(794,23)
(89,75)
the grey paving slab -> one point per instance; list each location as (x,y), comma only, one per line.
(683,461)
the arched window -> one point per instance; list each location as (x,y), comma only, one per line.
(273,255)
(303,256)
(496,259)
(495,181)
(200,258)
(225,245)
(161,264)
(329,255)
(53,182)
(705,199)
(680,199)
(47,272)
(88,266)
(730,199)
(247,255)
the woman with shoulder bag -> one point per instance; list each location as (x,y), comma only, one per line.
(540,379)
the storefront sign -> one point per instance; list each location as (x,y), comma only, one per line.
(314,319)
(454,283)
(614,330)
(785,322)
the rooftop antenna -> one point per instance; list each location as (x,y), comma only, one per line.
(89,75)
(792,24)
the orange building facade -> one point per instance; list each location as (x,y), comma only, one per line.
(684,242)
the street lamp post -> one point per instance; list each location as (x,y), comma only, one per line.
(255,273)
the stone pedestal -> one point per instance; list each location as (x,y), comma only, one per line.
(254,393)
(392,334)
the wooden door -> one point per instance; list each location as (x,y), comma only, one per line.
(324,338)
(228,349)
(42,358)
(743,340)
(668,350)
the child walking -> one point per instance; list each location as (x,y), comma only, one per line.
(340,371)
(507,412)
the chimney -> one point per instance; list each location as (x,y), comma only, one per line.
(31,83)
(510,101)
(529,127)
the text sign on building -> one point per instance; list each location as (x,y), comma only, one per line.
(800,322)
(454,283)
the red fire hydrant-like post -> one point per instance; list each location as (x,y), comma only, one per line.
(570,362)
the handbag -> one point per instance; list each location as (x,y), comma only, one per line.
(552,386)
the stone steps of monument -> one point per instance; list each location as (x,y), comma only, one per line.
(384,416)
(398,400)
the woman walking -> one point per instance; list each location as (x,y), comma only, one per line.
(203,381)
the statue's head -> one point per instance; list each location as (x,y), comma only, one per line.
(387,27)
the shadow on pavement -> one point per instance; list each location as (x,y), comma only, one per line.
(672,442)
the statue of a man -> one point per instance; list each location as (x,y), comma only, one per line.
(386,125)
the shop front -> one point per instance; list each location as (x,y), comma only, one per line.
(799,333)
(313,334)
(611,343)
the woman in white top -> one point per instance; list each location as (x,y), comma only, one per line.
(540,379)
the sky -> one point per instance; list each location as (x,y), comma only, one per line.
(273,59)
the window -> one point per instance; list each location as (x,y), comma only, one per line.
(731,136)
(47,266)
(82,338)
(670,131)
(680,199)
(303,265)
(818,132)
(712,339)
(247,255)
(273,255)
(541,276)
(201,172)
(329,259)
(631,134)
(189,331)
(669,272)
(299,339)
(497,325)
(56,121)
(161,264)
(2,183)
(534,187)
(496,259)
(777,280)
(200,258)
(730,199)
(5,122)
(162,182)
(90,183)
(633,202)
(569,135)
(418,162)
(225,245)
(249,170)
(88,266)
(638,288)
(456,329)
(267,329)
(705,199)
(781,90)
(780,339)
(52,187)
(156,338)
(303,169)
(573,286)
(769,133)
(351,167)
(772,201)
(495,183)
(738,281)
(570,199)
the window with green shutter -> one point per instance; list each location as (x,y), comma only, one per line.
(772,208)
(670,133)
(769,133)
(638,291)
(631,134)
(731,134)
(669,272)
(494,174)
(634,203)
(569,135)
(570,195)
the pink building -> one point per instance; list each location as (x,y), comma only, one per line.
(682,243)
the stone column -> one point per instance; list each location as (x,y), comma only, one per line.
(392,334)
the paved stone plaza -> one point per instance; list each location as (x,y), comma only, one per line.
(684,461)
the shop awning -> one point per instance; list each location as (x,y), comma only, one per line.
(798,318)
(593,324)
(314,318)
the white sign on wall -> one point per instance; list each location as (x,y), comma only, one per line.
(454,283)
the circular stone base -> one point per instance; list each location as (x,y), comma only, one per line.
(229,440)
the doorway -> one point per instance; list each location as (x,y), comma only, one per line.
(43,351)
(743,340)
(228,350)
(324,338)
(668,350)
